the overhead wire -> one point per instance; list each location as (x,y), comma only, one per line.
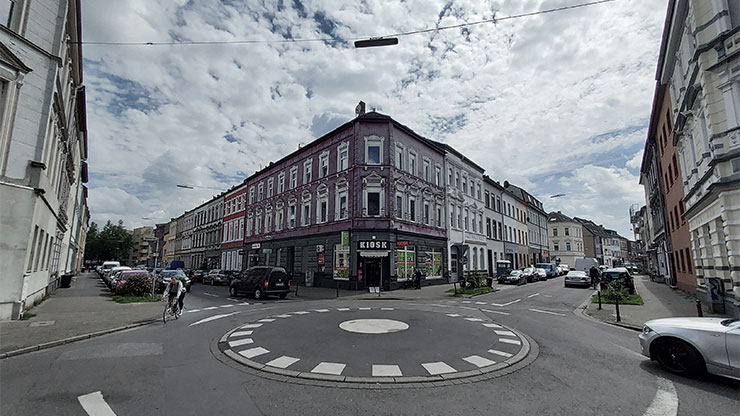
(493,20)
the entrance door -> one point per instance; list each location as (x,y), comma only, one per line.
(490,263)
(372,272)
(289,261)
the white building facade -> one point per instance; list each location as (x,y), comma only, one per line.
(43,149)
(494,223)
(566,243)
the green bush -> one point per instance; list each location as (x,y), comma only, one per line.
(136,285)
(615,290)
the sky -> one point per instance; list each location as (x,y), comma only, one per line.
(556,103)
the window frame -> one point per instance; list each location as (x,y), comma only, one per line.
(373,141)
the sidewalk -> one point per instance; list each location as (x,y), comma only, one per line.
(82,309)
(660,301)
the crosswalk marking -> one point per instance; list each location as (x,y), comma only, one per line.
(343,309)
(283,362)
(94,404)
(474,319)
(509,333)
(510,341)
(253,352)
(453,315)
(212,318)
(501,353)
(380,370)
(240,334)
(492,325)
(240,342)
(329,368)
(266,320)
(321,310)
(250,326)
(386,309)
(479,361)
(438,368)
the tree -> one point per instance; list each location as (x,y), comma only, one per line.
(114,242)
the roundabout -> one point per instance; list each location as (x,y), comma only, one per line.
(378,345)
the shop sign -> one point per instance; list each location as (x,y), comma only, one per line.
(403,243)
(319,248)
(321,259)
(345,238)
(256,246)
(373,245)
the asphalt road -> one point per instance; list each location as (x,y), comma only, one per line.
(583,367)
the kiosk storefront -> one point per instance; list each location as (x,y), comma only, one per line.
(373,263)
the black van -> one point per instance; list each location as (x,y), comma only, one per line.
(260,282)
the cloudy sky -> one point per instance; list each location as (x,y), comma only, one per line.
(556,103)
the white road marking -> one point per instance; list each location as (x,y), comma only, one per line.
(466,301)
(192,310)
(510,341)
(343,309)
(266,320)
(630,351)
(253,352)
(438,368)
(498,312)
(479,361)
(512,302)
(386,309)
(247,303)
(210,308)
(211,294)
(250,326)
(551,313)
(212,318)
(364,309)
(665,402)
(474,319)
(283,362)
(240,334)
(321,310)
(329,368)
(95,405)
(240,342)
(505,333)
(453,315)
(284,316)
(301,313)
(492,325)
(226,306)
(501,353)
(380,370)
(233,300)
(548,296)
(533,295)
(481,303)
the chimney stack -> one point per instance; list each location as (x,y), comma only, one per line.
(360,109)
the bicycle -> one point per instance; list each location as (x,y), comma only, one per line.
(171,310)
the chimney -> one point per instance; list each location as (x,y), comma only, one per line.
(360,109)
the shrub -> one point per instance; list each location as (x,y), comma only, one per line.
(615,290)
(136,285)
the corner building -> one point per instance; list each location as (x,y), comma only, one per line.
(363,205)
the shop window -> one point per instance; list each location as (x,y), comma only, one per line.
(433,264)
(341,262)
(405,263)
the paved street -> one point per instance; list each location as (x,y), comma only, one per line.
(580,367)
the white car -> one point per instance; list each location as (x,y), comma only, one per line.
(577,278)
(689,346)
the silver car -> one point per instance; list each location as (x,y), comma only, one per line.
(689,346)
(576,278)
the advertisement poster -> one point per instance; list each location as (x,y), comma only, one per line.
(433,264)
(405,263)
(341,262)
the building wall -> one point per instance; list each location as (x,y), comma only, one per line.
(494,224)
(558,237)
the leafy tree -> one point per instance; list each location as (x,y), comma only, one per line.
(114,242)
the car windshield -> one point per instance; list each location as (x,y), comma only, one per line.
(613,275)
(515,273)
(576,273)
(169,273)
(528,270)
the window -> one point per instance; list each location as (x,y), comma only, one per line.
(340,204)
(457,179)
(488,205)
(567,246)
(452,216)
(412,208)
(556,246)
(500,233)
(374,150)
(412,163)
(498,204)
(258,223)
(688,259)
(479,194)
(480,223)
(324,165)
(426,213)
(466,219)
(281,182)
(279,218)
(399,157)
(307,170)
(488,227)
(306,213)
(291,215)
(342,156)
(566,230)
(427,170)
(322,205)
(293,177)
(251,198)
(465,184)
(399,205)
(449,178)
(555,232)
(439,216)
(12,14)
(268,220)
(373,204)
(260,191)
(438,175)
(269,187)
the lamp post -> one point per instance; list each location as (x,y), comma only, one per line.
(185,186)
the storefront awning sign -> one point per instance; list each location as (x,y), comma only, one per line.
(374,253)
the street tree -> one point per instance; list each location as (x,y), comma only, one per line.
(113,242)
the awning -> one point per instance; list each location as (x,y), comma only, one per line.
(375,253)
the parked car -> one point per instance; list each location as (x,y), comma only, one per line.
(550,269)
(515,277)
(541,273)
(577,278)
(691,346)
(260,282)
(198,276)
(107,265)
(218,277)
(558,271)
(111,273)
(617,274)
(565,268)
(123,275)
(165,276)
(530,274)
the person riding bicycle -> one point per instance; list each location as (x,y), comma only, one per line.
(593,272)
(174,290)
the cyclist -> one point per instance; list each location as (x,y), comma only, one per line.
(174,290)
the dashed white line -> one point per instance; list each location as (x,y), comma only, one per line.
(511,303)
(250,326)
(329,368)
(387,309)
(240,342)
(284,316)
(438,368)
(505,333)
(95,405)
(192,310)
(364,309)
(474,319)
(501,353)
(211,295)
(283,362)
(226,306)
(665,402)
(253,352)
(533,295)
(212,318)
(301,313)
(210,308)
(247,303)
(479,361)
(240,334)
(498,312)
(466,301)
(453,315)
(343,309)
(492,325)
(232,299)
(481,303)
(321,310)
(380,370)
(266,320)
(548,312)
(510,341)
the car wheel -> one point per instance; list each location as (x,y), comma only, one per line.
(258,294)
(679,357)
(233,292)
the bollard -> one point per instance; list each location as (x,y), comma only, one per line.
(616,302)
(337,289)
(599,295)
(296,290)
(699,311)
(454,286)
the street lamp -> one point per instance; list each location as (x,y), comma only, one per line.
(373,42)
(184,186)
(557,195)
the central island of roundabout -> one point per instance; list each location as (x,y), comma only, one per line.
(400,345)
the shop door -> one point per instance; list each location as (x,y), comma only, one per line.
(289,261)
(372,272)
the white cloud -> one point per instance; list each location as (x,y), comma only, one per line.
(636,161)
(528,99)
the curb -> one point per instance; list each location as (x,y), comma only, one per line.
(46,345)
(581,311)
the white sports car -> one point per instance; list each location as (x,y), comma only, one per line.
(689,346)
